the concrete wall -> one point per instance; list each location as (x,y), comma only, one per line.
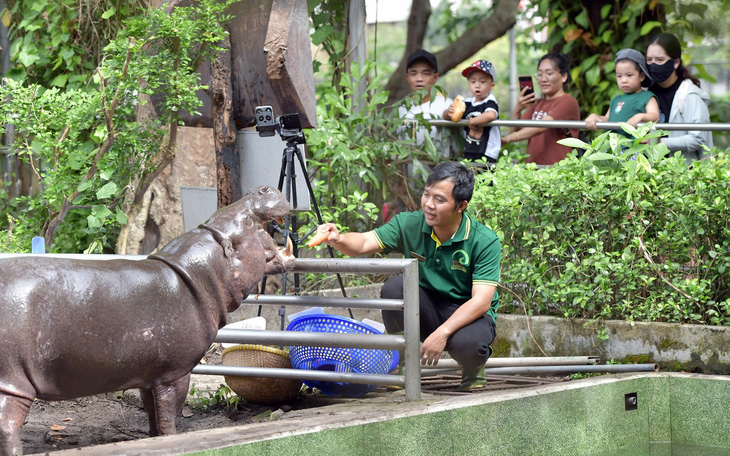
(692,348)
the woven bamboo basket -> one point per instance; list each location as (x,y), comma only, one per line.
(259,390)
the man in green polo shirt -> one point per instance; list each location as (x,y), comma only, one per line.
(459,263)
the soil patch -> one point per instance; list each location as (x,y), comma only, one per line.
(115,417)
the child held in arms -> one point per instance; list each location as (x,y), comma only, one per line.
(481,142)
(636,104)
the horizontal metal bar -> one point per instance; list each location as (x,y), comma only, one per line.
(300,374)
(353,265)
(75,256)
(562,370)
(346,265)
(581,125)
(526,361)
(311,339)
(320,301)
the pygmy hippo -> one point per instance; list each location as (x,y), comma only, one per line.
(72,327)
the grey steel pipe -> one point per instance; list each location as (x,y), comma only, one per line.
(562,370)
(311,339)
(319,301)
(353,265)
(526,361)
(411,326)
(76,256)
(299,374)
(580,125)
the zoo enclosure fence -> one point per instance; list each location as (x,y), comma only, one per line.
(408,343)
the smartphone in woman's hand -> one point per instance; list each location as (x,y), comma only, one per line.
(526,81)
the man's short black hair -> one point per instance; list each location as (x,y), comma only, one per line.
(422,56)
(460,175)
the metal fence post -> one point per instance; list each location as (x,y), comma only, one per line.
(411,318)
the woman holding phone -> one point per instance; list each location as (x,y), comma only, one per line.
(553,77)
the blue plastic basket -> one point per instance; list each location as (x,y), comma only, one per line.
(355,360)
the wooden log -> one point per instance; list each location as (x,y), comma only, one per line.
(271,60)
(228,165)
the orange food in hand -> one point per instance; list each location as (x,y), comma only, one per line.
(459,108)
(318,239)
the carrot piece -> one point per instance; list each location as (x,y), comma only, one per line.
(318,238)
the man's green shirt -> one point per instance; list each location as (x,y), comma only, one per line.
(471,256)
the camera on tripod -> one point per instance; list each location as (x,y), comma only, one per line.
(287,126)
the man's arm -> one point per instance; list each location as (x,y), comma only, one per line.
(350,244)
(470,311)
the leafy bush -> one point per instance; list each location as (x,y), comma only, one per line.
(85,145)
(626,231)
(360,156)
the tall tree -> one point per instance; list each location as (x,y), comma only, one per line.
(503,17)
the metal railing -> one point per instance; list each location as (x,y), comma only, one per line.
(580,125)
(409,343)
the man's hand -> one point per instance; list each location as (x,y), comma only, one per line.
(329,229)
(433,346)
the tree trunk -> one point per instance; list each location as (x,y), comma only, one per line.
(228,167)
(468,44)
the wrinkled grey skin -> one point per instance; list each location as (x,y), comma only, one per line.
(71,327)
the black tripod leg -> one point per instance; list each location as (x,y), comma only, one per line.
(319,219)
(282,172)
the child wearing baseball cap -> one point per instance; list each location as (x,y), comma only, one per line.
(635,104)
(481,108)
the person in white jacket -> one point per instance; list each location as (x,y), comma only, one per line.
(681,100)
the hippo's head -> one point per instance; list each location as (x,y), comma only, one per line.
(239,227)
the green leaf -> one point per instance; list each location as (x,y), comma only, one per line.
(93,221)
(703,74)
(107,191)
(121,217)
(575,143)
(60,80)
(582,19)
(649,26)
(109,13)
(100,211)
(84,185)
(605,9)
(27,58)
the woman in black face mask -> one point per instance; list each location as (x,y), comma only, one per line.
(680,98)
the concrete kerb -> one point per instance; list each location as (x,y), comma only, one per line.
(389,413)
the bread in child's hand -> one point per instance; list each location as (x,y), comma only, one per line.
(459,108)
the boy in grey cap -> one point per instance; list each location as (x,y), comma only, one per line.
(636,104)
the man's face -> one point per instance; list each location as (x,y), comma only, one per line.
(439,206)
(420,75)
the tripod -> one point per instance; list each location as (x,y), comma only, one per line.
(287,180)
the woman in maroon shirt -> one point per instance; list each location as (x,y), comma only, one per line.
(553,76)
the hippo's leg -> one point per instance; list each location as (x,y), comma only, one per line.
(163,404)
(13,411)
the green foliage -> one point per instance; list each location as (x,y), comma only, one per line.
(359,155)
(85,144)
(60,42)
(626,231)
(591,37)
(222,397)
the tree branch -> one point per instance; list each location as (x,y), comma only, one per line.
(489,29)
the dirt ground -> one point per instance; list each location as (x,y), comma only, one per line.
(115,417)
